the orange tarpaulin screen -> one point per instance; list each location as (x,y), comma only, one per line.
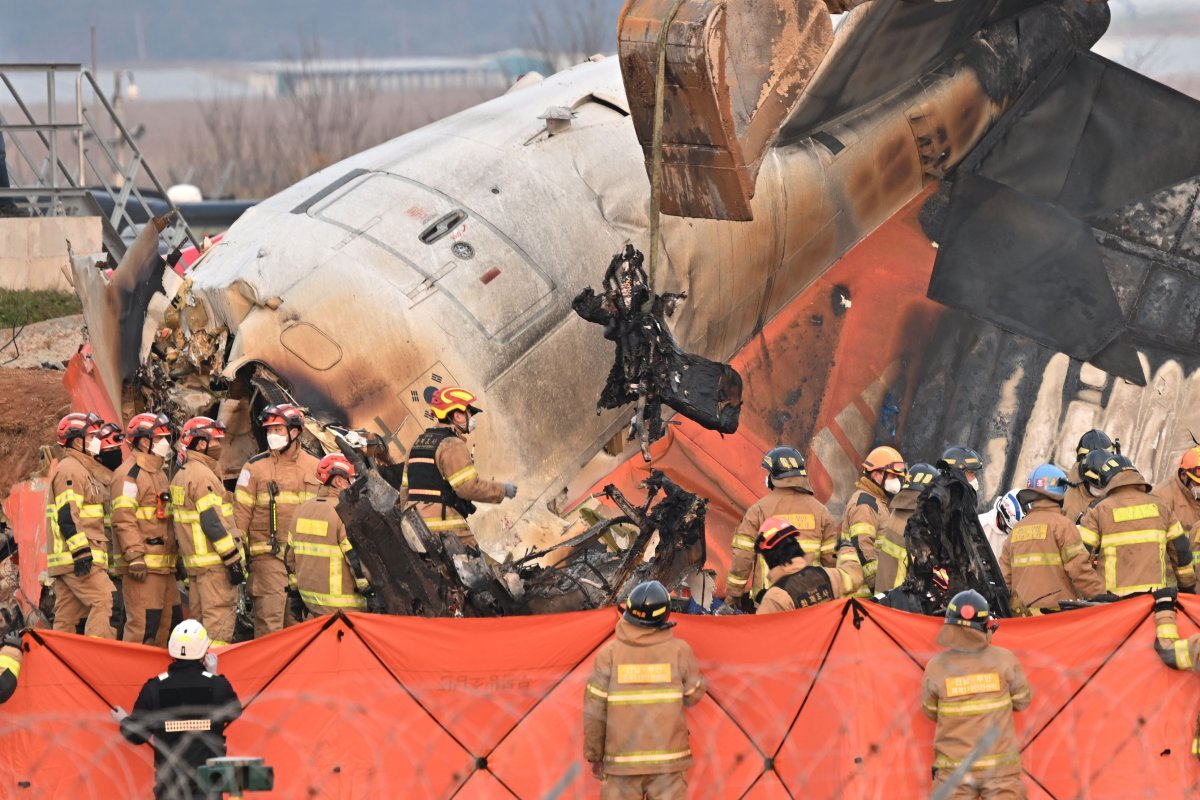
(819,703)
(26,512)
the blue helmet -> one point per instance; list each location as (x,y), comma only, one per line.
(1048,481)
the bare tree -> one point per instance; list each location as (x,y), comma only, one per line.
(565,32)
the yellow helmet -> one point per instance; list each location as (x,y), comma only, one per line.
(887,459)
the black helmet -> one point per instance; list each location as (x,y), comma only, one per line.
(1095,439)
(1092,465)
(963,459)
(968,609)
(784,462)
(649,605)
(1113,465)
(919,476)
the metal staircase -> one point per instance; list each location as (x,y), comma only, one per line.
(90,147)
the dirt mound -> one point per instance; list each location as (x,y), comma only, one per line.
(31,403)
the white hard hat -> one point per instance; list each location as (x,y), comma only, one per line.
(189,641)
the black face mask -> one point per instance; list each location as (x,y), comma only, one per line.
(110,459)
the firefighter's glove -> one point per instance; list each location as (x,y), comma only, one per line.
(13,639)
(296,603)
(598,770)
(1105,597)
(236,575)
(137,569)
(510,490)
(1164,599)
(83,563)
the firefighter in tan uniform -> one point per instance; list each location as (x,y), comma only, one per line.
(269,489)
(635,732)
(1135,534)
(890,551)
(141,513)
(1181,494)
(11,656)
(882,477)
(968,690)
(77,547)
(796,579)
(1044,559)
(108,460)
(204,530)
(440,478)
(1081,493)
(1176,653)
(323,567)
(790,497)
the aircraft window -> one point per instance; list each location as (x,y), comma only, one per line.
(443,226)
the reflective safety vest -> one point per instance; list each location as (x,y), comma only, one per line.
(425,482)
(318,553)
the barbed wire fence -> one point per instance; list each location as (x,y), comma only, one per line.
(350,712)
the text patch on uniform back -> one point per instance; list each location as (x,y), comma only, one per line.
(643,673)
(1028,533)
(1130,513)
(803,522)
(973,684)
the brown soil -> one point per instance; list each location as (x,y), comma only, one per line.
(31,403)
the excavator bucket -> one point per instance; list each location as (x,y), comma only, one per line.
(735,69)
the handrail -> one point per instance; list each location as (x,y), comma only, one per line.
(54,179)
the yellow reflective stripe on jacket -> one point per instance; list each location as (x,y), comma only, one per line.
(462,476)
(1090,537)
(596,691)
(649,757)
(259,548)
(645,697)
(77,541)
(283,498)
(333,600)
(743,542)
(870,568)
(123,501)
(1037,560)
(68,496)
(317,549)
(1126,538)
(971,708)
(1166,630)
(734,580)
(886,545)
(861,528)
(436,524)
(149,512)
(1175,531)
(11,664)
(986,762)
(91,511)
(1183,657)
(159,561)
(210,500)
(243,497)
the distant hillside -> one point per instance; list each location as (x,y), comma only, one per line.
(129,31)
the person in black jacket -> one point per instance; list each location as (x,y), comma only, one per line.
(182,714)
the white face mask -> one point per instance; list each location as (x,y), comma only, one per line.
(1094,491)
(1196,492)
(277,441)
(471,424)
(161,447)
(974,482)
(891,484)
(93,446)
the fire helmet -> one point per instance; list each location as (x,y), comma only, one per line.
(784,462)
(887,459)
(968,609)
(333,465)
(448,399)
(77,424)
(649,605)
(1095,439)
(201,429)
(189,641)
(919,476)
(282,414)
(1048,481)
(1189,466)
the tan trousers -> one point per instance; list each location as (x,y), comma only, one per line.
(267,585)
(214,603)
(148,606)
(668,786)
(90,596)
(1000,787)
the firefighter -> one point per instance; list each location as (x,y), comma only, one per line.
(269,489)
(1176,653)
(182,713)
(112,440)
(1135,534)
(969,690)
(966,463)
(203,530)
(635,732)
(440,478)
(1044,560)
(1181,494)
(790,497)
(77,547)
(141,512)
(882,478)
(10,654)
(796,580)
(889,545)
(1081,494)
(323,567)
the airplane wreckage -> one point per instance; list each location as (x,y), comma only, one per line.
(1058,189)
